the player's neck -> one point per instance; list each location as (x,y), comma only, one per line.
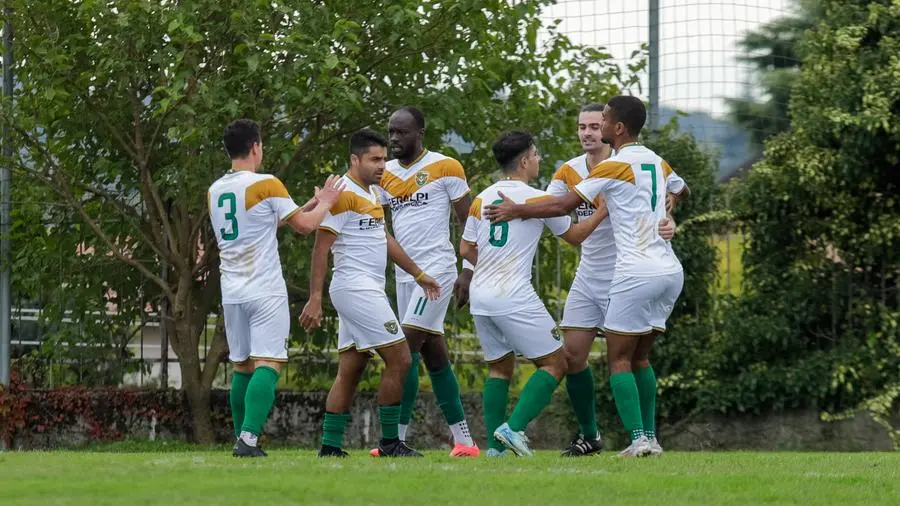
(618,144)
(597,156)
(242,164)
(514,177)
(356,179)
(407,161)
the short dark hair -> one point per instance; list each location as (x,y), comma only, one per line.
(510,147)
(594,107)
(363,139)
(416,114)
(240,136)
(630,111)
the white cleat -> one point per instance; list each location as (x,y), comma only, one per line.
(517,442)
(655,449)
(640,447)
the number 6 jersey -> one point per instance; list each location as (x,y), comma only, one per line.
(502,281)
(245,209)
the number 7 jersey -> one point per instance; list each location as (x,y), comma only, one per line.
(502,281)
(634,183)
(245,209)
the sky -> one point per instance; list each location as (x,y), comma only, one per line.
(698,42)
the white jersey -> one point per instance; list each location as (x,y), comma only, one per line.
(360,250)
(245,209)
(634,183)
(420,198)
(598,251)
(502,281)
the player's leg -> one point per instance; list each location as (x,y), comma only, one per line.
(501,361)
(351,364)
(628,320)
(644,375)
(424,324)
(530,331)
(396,364)
(411,382)
(237,333)
(269,334)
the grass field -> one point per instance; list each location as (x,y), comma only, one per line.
(181,478)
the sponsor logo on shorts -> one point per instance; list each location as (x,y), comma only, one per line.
(421,178)
(391,327)
(555,333)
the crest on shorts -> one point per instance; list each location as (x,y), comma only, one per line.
(555,333)
(421,178)
(391,327)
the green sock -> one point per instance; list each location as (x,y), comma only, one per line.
(410,390)
(259,399)
(390,417)
(333,428)
(535,397)
(496,397)
(646,384)
(580,387)
(628,403)
(239,382)
(446,389)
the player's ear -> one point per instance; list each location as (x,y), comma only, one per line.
(354,160)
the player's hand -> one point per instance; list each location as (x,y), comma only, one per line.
(667,228)
(311,316)
(461,287)
(329,193)
(505,211)
(313,202)
(431,286)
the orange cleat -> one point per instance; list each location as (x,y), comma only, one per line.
(374,452)
(461,450)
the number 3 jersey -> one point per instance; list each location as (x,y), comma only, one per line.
(245,209)
(502,281)
(634,183)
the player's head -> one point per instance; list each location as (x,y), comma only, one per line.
(623,119)
(517,155)
(368,152)
(589,121)
(406,129)
(243,142)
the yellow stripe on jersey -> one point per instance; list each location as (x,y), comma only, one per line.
(610,169)
(567,175)
(396,187)
(667,169)
(532,200)
(350,201)
(475,208)
(261,190)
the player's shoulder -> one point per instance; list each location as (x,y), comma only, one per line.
(354,197)
(441,165)
(532,195)
(618,166)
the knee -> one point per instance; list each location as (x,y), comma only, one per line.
(640,363)
(575,362)
(617,365)
(435,360)
(401,363)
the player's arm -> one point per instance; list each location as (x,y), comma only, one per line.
(578,232)
(305,222)
(312,311)
(469,251)
(677,189)
(545,208)
(461,287)
(398,256)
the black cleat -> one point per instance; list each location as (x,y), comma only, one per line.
(242,449)
(332,451)
(581,447)
(396,448)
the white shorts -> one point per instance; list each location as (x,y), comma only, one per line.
(586,304)
(258,329)
(529,332)
(420,313)
(641,305)
(365,319)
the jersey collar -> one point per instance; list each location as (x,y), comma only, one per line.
(417,160)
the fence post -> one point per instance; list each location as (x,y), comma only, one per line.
(653,68)
(5,189)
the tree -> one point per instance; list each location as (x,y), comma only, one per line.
(121,104)
(772,51)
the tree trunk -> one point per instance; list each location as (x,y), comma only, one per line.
(198,397)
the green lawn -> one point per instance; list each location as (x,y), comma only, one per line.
(181,478)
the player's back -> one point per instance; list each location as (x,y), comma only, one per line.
(634,183)
(245,209)
(502,280)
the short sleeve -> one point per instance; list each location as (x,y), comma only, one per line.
(558,225)
(605,174)
(674,183)
(272,195)
(338,214)
(590,188)
(383,197)
(453,178)
(557,187)
(470,233)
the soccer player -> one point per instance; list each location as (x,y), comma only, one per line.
(354,231)
(420,187)
(509,317)
(245,209)
(648,276)
(585,307)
